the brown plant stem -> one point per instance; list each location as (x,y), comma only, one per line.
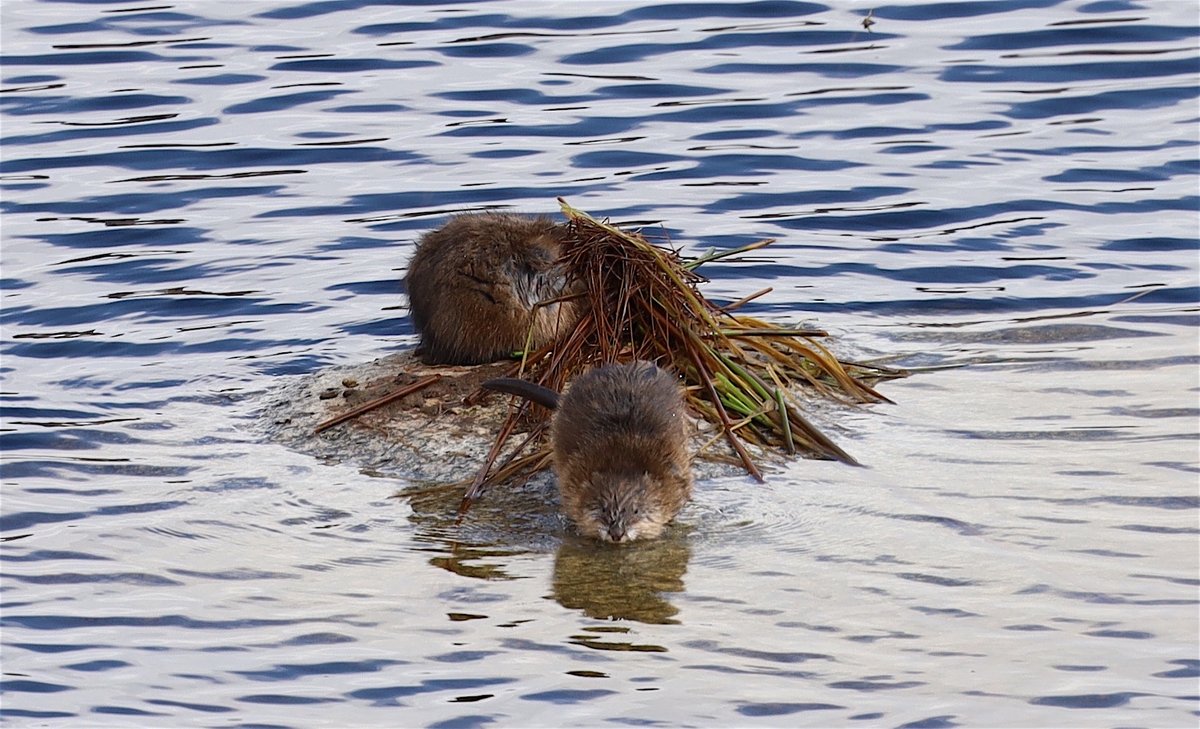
(377,402)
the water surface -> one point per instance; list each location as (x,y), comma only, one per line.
(200,199)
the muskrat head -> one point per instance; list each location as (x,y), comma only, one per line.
(534,271)
(620,508)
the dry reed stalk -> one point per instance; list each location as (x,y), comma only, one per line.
(377,402)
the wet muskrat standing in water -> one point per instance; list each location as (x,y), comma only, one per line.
(619,443)
(477,287)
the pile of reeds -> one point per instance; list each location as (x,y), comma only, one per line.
(641,301)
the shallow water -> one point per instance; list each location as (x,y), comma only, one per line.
(200,199)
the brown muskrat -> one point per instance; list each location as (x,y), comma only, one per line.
(475,283)
(619,442)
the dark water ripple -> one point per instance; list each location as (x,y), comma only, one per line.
(1002,195)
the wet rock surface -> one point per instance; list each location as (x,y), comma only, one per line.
(432,435)
(438,435)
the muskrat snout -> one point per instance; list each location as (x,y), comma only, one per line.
(622,508)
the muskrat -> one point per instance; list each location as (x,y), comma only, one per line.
(478,286)
(619,444)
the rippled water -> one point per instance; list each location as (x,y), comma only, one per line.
(201,198)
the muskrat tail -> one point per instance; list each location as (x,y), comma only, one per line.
(543,396)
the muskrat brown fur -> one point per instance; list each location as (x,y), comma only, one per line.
(475,285)
(619,443)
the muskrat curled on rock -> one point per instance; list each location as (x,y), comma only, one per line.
(480,285)
(619,444)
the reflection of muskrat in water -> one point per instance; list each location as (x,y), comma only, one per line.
(619,443)
(634,584)
(474,282)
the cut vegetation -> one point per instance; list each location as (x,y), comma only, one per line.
(642,301)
